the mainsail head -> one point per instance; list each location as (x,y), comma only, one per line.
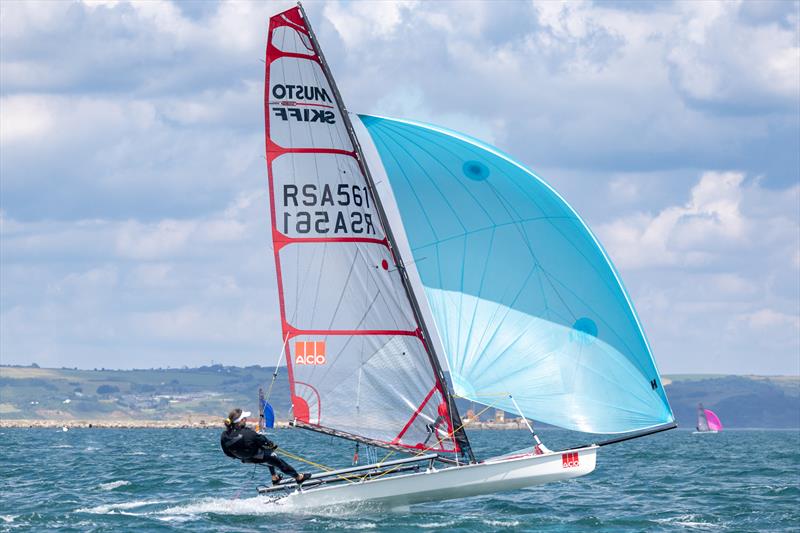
(702,421)
(356,355)
(525,300)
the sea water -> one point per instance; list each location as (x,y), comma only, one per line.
(179,480)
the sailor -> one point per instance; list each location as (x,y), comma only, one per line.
(240,442)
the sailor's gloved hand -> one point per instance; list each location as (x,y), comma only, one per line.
(270,446)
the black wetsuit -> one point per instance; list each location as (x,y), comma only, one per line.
(251,447)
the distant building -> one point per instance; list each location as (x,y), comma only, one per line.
(499,416)
(470,414)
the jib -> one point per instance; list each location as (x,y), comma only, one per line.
(305,115)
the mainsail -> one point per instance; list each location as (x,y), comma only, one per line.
(702,422)
(357,354)
(528,306)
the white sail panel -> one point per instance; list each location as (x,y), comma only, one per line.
(343,286)
(354,350)
(301,107)
(289,39)
(351,393)
(323,195)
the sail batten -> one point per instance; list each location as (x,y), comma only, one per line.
(523,295)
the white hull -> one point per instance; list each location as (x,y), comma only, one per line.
(448,483)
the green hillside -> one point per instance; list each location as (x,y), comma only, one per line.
(210,391)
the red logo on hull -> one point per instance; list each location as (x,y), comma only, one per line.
(570,460)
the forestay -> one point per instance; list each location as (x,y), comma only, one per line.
(525,300)
(354,351)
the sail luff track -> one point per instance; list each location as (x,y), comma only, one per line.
(456,426)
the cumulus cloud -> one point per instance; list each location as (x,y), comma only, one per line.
(716,275)
(132,182)
(181,291)
(685,235)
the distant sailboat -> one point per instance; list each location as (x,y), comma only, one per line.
(707,420)
(532,316)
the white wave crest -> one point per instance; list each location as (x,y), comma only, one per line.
(7,518)
(114,484)
(116,508)
(438,525)
(245,506)
(501,523)
(688,521)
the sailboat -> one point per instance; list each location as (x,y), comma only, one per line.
(528,312)
(707,420)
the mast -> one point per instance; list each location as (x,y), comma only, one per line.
(455,419)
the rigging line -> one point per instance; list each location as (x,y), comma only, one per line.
(425,450)
(275,371)
(312,463)
(525,419)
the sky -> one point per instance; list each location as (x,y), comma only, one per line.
(133,204)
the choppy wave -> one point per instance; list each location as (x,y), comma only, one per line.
(672,482)
(111,485)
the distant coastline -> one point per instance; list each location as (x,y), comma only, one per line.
(201,397)
(117,424)
(185,424)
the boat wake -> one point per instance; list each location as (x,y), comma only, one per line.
(171,511)
(119,508)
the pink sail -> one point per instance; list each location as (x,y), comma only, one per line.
(714,423)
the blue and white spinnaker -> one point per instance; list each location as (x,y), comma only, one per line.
(525,300)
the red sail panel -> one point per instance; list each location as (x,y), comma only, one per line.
(355,353)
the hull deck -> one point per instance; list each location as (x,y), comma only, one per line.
(398,489)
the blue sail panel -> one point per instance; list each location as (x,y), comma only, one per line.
(523,296)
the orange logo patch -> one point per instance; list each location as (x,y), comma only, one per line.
(309,353)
